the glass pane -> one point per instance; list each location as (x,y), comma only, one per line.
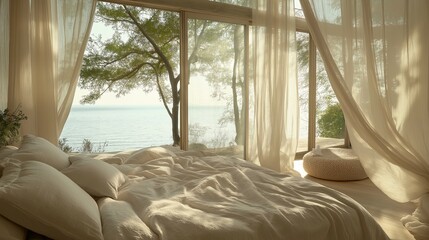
(133,83)
(330,125)
(298,9)
(303,47)
(243,3)
(216,87)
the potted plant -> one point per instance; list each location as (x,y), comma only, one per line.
(10,122)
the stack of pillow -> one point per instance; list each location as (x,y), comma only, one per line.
(51,193)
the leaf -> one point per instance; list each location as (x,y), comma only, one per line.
(10,123)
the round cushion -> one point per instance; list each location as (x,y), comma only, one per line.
(337,164)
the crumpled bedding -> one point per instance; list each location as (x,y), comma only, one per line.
(215,197)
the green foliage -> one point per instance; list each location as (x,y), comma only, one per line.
(196,133)
(62,144)
(197,142)
(10,122)
(86,147)
(325,96)
(129,59)
(218,55)
(331,123)
(144,53)
(219,140)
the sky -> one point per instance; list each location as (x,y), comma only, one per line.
(199,88)
(137,96)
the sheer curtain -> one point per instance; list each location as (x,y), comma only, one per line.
(4,52)
(377,58)
(275,130)
(47,42)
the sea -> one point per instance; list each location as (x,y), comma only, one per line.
(117,128)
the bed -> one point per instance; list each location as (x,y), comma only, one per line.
(157,193)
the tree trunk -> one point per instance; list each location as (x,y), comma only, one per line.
(175,111)
(173,80)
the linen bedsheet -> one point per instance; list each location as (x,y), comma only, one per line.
(216,197)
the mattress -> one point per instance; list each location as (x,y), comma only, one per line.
(167,194)
(218,197)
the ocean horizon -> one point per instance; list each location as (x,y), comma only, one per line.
(118,127)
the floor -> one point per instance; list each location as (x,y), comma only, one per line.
(386,211)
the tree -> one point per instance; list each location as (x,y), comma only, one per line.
(143,53)
(329,116)
(220,61)
(235,109)
(325,96)
(331,122)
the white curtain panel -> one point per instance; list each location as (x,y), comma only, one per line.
(4,52)
(47,42)
(274,133)
(377,57)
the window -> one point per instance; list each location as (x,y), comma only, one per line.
(243,3)
(330,124)
(131,69)
(321,119)
(216,86)
(303,54)
(136,53)
(184,70)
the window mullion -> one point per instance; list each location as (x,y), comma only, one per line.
(184,76)
(246,89)
(312,96)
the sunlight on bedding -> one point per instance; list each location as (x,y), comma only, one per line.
(174,195)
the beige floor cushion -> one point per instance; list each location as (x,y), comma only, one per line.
(338,164)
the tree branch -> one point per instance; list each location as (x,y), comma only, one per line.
(121,57)
(197,43)
(161,93)
(153,43)
(128,74)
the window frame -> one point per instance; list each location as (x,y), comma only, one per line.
(206,8)
(301,26)
(184,128)
(203,10)
(222,12)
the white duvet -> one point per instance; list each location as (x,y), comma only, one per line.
(225,198)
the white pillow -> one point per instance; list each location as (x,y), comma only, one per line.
(39,149)
(97,178)
(10,230)
(40,198)
(6,151)
(147,154)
